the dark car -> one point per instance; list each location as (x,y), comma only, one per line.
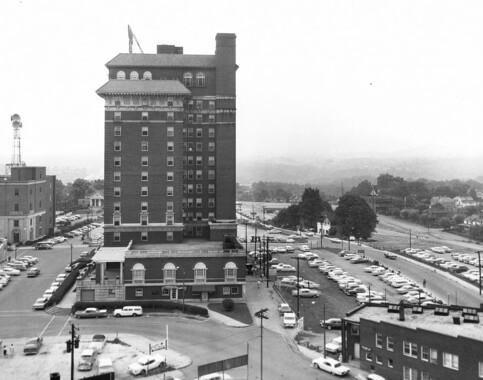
(331,323)
(33,345)
(33,272)
(91,312)
(460,269)
(43,246)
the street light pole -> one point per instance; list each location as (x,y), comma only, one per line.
(261,314)
(479,268)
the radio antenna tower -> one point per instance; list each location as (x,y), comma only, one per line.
(16,156)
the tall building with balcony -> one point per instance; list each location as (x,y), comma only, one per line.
(27,204)
(169,182)
(170,145)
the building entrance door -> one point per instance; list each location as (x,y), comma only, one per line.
(16,237)
(357,350)
(204,296)
(174,294)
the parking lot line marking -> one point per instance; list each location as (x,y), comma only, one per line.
(63,327)
(42,333)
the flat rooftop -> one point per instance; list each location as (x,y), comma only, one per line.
(442,324)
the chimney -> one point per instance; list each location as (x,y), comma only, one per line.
(401,310)
(169,49)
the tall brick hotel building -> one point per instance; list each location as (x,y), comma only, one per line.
(170,172)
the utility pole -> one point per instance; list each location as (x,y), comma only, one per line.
(261,314)
(267,260)
(410,238)
(325,355)
(72,344)
(297,284)
(479,268)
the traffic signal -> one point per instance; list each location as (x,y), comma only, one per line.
(69,346)
(76,342)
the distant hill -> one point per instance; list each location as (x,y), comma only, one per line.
(348,172)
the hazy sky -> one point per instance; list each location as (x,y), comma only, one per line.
(315,78)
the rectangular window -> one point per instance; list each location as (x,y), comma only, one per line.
(199,174)
(199,104)
(211,105)
(144,116)
(170,146)
(378,340)
(199,216)
(480,369)
(211,174)
(144,131)
(117,206)
(390,363)
(166,291)
(170,101)
(211,132)
(117,130)
(169,176)
(144,146)
(410,373)
(190,160)
(234,290)
(211,215)
(211,146)
(144,236)
(169,236)
(199,147)
(390,343)
(116,219)
(211,188)
(117,161)
(190,202)
(369,356)
(170,161)
(190,118)
(139,291)
(169,191)
(190,146)
(378,359)
(117,237)
(144,206)
(144,191)
(211,202)
(191,104)
(433,356)
(190,132)
(199,160)
(199,203)
(450,361)
(169,206)
(425,353)
(199,119)
(226,290)
(199,231)
(117,146)
(170,131)
(170,116)
(190,188)
(117,191)
(169,218)
(144,220)
(117,116)
(144,161)
(199,188)
(15,223)
(185,132)
(144,176)
(211,160)
(199,131)
(410,349)
(117,176)
(424,375)
(211,119)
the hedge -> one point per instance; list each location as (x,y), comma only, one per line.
(147,305)
(63,288)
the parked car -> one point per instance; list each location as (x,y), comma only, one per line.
(308,284)
(33,258)
(335,346)
(146,363)
(305,293)
(11,271)
(33,345)
(40,303)
(98,342)
(284,308)
(331,323)
(91,312)
(40,246)
(289,320)
(129,311)
(87,359)
(330,365)
(286,268)
(390,255)
(33,272)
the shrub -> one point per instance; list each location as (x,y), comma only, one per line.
(228,304)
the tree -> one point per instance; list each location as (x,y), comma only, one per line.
(363,188)
(354,217)
(445,223)
(310,207)
(458,218)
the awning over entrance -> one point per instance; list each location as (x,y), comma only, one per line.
(203,288)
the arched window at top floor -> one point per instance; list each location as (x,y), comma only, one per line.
(134,75)
(200,272)
(200,79)
(121,75)
(147,75)
(138,272)
(188,79)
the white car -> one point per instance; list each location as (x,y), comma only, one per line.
(305,293)
(371,268)
(98,343)
(336,241)
(311,255)
(304,248)
(438,250)
(330,365)
(316,263)
(11,271)
(308,284)
(286,268)
(290,280)
(146,363)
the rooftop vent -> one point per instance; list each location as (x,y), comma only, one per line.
(441,310)
(417,310)
(393,308)
(467,318)
(456,320)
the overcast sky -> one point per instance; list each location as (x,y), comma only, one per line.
(315,78)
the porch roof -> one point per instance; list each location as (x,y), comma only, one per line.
(110,255)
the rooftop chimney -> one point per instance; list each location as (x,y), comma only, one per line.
(169,49)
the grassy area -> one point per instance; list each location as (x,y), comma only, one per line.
(239,313)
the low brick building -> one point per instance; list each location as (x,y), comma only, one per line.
(413,343)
